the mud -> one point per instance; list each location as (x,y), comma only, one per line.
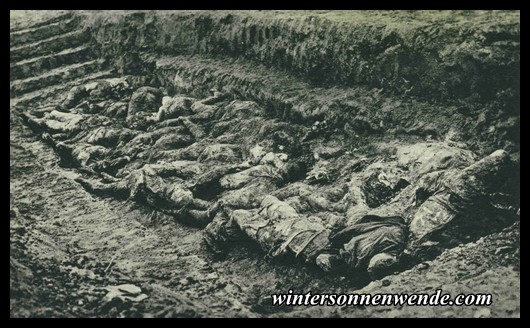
(140,167)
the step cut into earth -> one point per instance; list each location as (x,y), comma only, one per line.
(360,146)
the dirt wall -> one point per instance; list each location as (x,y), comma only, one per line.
(433,59)
(462,66)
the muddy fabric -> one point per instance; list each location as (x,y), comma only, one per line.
(150,146)
(185,170)
(113,88)
(137,144)
(117,110)
(56,121)
(71,126)
(173,141)
(378,190)
(202,112)
(250,196)
(74,95)
(384,187)
(83,154)
(240,179)
(195,130)
(381,265)
(225,153)
(444,206)
(292,190)
(370,236)
(279,229)
(271,166)
(162,186)
(307,198)
(173,107)
(423,158)
(208,183)
(104,89)
(240,110)
(381,230)
(145,99)
(149,133)
(223,231)
(260,180)
(109,137)
(461,192)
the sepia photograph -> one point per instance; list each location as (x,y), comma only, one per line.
(265,163)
